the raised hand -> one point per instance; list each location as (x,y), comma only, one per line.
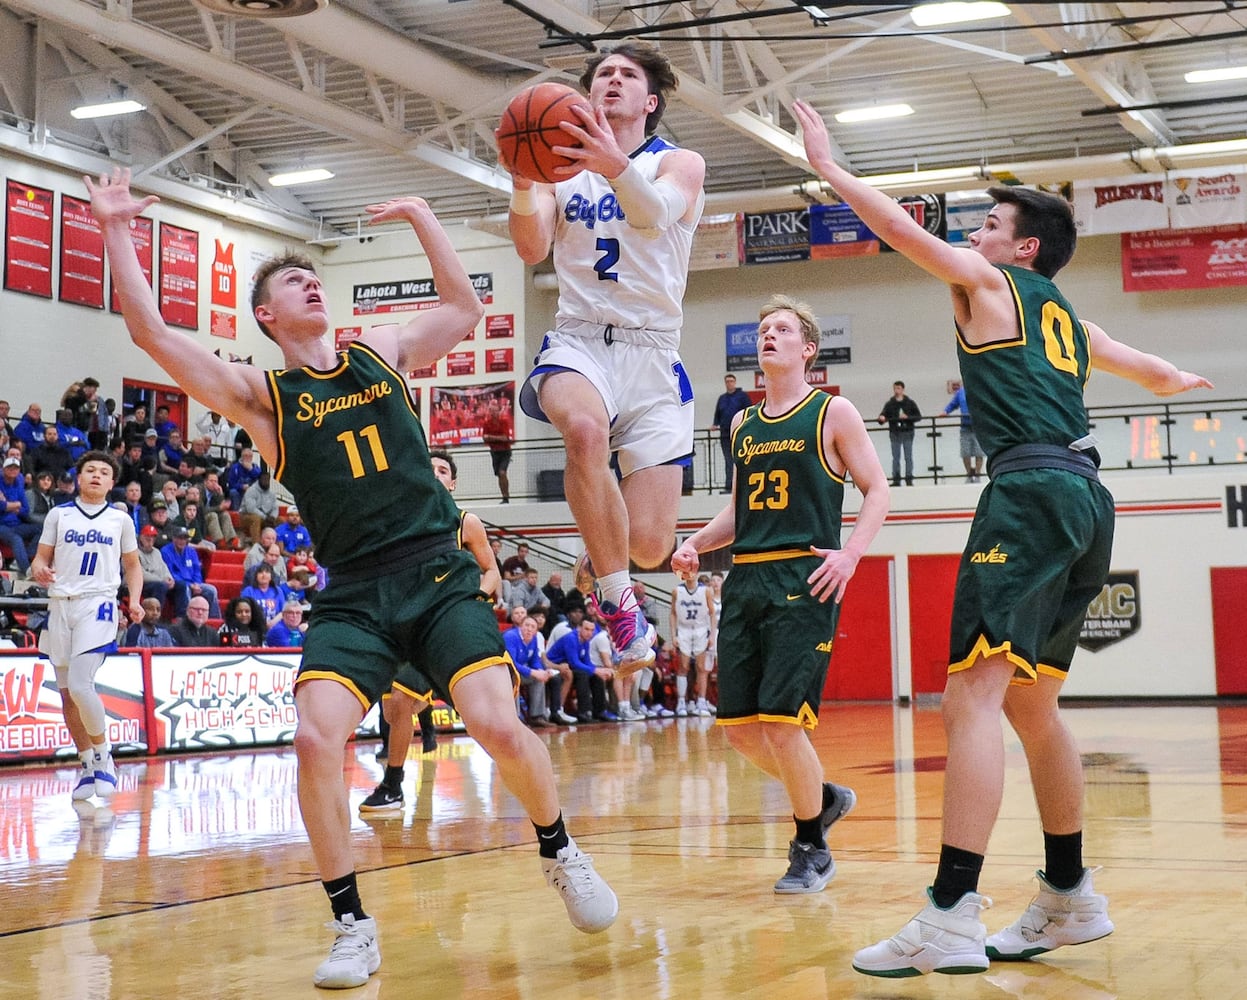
(396,210)
(814,136)
(112,200)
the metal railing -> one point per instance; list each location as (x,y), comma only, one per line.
(1170,437)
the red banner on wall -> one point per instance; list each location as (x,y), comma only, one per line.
(179,276)
(141,236)
(461,363)
(28,240)
(1166,260)
(500,359)
(82,254)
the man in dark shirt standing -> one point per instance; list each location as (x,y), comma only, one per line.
(498,433)
(730,403)
(901,414)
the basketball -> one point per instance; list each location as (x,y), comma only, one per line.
(530,130)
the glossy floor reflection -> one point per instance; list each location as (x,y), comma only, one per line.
(198,880)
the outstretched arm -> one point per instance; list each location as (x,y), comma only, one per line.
(477,542)
(891,223)
(237,391)
(430,334)
(1152,372)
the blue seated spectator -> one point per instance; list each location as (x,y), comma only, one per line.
(17,531)
(290,627)
(187,572)
(535,678)
(293,534)
(572,648)
(29,429)
(242,474)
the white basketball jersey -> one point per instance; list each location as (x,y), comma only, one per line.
(89,545)
(692,611)
(611,273)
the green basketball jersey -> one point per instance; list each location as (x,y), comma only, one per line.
(787,497)
(1029,390)
(351,449)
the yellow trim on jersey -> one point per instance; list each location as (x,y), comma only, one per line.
(418,695)
(806,719)
(1018,341)
(342,365)
(329,675)
(983,649)
(280,465)
(744,558)
(788,413)
(822,453)
(489,661)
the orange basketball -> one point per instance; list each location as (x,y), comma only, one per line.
(530,130)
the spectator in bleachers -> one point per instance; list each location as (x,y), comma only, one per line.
(590,681)
(169,454)
(242,473)
(70,437)
(510,579)
(39,498)
(242,625)
(194,630)
(292,533)
(16,530)
(157,580)
(158,517)
(151,447)
(303,561)
(135,426)
(50,453)
(200,456)
(66,488)
(535,679)
(29,429)
(172,497)
(103,428)
(259,506)
(191,518)
(162,425)
(556,599)
(188,578)
(217,508)
(132,504)
(257,553)
(6,422)
(220,434)
(151,632)
(520,559)
(289,628)
(266,594)
(526,593)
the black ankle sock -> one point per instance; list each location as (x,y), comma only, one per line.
(829,795)
(343,896)
(552,839)
(958,874)
(1063,859)
(428,733)
(393,777)
(810,831)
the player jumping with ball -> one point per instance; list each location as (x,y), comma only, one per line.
(609,375)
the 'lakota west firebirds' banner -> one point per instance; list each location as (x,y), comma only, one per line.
(31,724)
(1114,614)
(226,700)
(410,296)
(1214,257)
(775,237)
(28,240)
(82,254)
(141,230)
(1120,205)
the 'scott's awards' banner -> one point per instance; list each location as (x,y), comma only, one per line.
(225,700)
(28,240)
(32,726)
(82,254)
(179,276)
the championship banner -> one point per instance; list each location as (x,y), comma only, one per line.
(836,231)
(1208,197)
(1129,204)
(741,347)
(31,724)
(928,211)
(457,412)
(716,243)
(410,296)
(500,360)
(141,230)
(1114,613)
(966,214)
(429,372)
(500,327)
(775,237)
(1168,260)
(179,276)
(223,699)
(28,240)
(461,363)
(224,277)
(82,254)
(223,324)
(344,335)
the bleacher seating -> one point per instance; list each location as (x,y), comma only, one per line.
(224,571)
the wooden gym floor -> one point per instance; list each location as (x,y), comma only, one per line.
(199,882)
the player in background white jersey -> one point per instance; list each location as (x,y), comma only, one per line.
(83,549)
(693,622)
(609,376)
